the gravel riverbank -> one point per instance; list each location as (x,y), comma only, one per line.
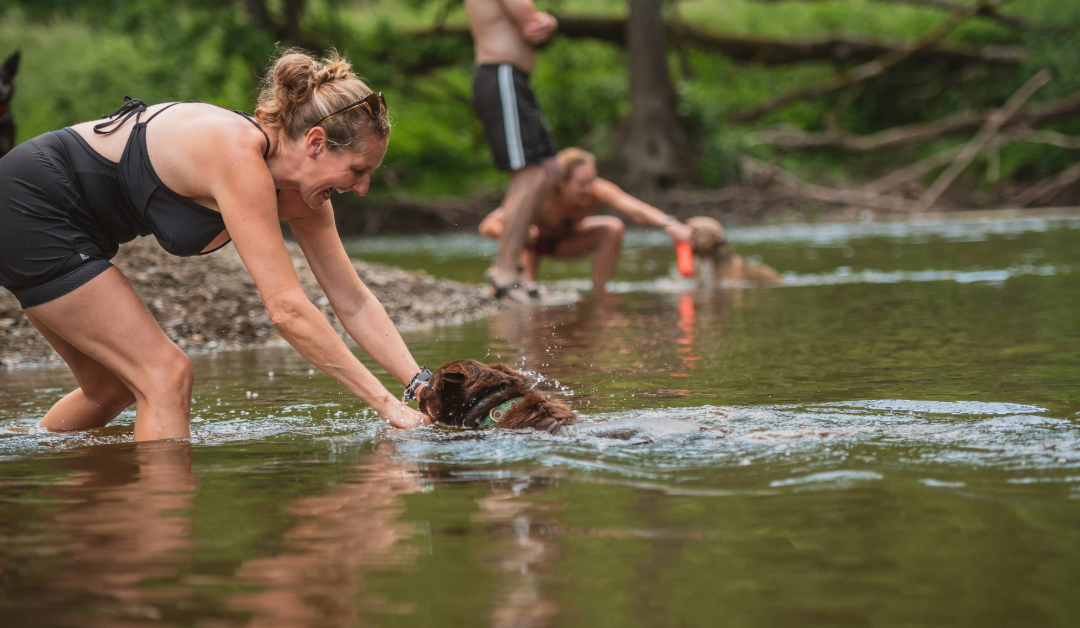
(210,303)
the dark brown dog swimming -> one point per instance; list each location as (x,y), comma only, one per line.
(709,244)
(471,394)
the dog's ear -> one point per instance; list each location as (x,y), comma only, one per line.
(452,378)
(11,66)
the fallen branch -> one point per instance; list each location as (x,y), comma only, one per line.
(859,198)
(913,134)
(1048,188)
(986,133)
(837,49)
(758,50)
(1012,136)
(863,72)
(913,172)
(1051,138)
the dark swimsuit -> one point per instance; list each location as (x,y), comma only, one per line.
(65,209)
(546,244)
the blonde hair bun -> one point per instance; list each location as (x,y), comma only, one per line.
(299,90)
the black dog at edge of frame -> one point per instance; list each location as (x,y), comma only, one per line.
(7,90)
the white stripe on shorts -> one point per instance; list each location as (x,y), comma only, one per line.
(511,124)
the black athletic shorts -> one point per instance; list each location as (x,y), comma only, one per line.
(44,254)
(517,132)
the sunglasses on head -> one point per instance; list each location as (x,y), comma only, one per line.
(374,104)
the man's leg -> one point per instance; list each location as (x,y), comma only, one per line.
(529,187)
(601,235)
(530,265)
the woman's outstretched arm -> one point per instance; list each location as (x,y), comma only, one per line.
(244,190)
(360,313)
(607,193)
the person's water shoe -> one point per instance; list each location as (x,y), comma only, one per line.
(513,292)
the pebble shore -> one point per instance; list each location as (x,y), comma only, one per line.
(210,303)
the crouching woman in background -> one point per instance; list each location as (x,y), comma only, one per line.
(566,228)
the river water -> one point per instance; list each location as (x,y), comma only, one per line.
(903,449)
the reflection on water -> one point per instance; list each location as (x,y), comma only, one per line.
(518,552)
(897,445)
(339,538)
(116,519)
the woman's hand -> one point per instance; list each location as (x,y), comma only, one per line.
(401,416)
(679,232)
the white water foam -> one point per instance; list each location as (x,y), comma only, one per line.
(840,276)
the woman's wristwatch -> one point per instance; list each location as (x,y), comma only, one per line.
(421,377)
(669,220)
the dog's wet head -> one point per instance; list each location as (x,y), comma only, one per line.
(707,234)
(464,393)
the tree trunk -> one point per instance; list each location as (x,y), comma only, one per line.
(290,20)
(256,10)
(653,141)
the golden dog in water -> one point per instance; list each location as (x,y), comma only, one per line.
(709,243)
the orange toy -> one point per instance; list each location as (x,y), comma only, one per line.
(684,258)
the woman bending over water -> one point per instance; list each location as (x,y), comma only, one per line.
(566,228)
(197,176)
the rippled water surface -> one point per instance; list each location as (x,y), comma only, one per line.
(901,447)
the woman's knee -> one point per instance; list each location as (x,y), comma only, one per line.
(182,373)
(611,228)
(171,375)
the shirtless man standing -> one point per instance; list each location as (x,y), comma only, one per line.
(504,33)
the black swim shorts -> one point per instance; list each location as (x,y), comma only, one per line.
(517,132)
(44,254)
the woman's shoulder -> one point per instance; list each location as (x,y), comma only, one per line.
(606,191)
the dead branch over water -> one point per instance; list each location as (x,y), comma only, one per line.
(914,134)
(797,186)
(1047,189)
(863,72)
(760,50)
(990,138)
(986,133)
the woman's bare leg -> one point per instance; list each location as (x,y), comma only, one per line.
(105,321)
(100,395)
(601,235)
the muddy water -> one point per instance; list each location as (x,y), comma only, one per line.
(903,449)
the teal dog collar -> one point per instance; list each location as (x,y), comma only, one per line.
(497,414)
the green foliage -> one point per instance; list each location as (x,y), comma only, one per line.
(80,57)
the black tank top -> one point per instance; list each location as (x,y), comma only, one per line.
(136,202)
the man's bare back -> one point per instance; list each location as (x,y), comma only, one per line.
(505,31)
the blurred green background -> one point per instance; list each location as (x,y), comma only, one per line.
(79,58)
